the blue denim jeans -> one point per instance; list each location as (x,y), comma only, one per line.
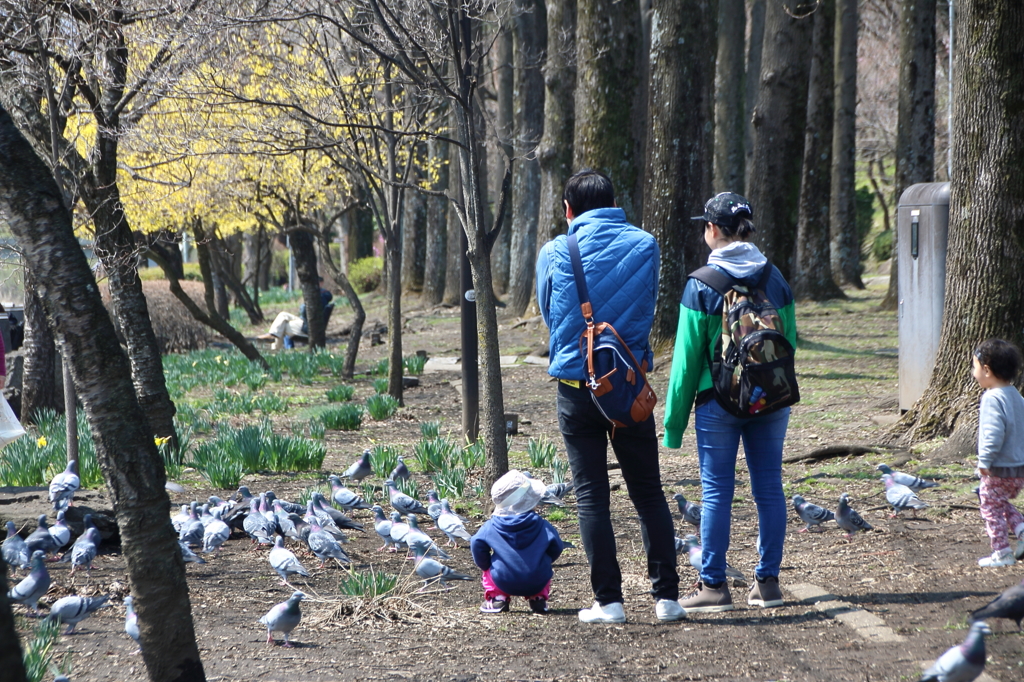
(718,441)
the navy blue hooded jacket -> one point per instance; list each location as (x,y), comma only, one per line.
(519,550)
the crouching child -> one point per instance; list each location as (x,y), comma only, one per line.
(515,547)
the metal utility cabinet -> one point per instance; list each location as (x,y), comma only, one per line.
(922,228)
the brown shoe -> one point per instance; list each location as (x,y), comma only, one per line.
(765,594)
(705,599)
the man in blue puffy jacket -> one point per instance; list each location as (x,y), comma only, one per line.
(620,262)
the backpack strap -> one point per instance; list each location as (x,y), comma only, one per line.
(580,277)
(714,278)
(766,275)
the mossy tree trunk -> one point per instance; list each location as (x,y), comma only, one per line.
(39,380)
(984,264)
(730,104)
(680,145)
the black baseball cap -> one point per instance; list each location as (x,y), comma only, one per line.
(726,209)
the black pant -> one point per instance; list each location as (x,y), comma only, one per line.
(586,432)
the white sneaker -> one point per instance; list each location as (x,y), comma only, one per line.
(1002,558)
(669,609)
(609,613)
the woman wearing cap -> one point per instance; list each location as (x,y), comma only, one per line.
(515,547)
(728,227)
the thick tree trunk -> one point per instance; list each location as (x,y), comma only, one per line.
(127,455)
(11,660)
(414,235)
(984,281)
(755,48)
(813,265)
(779,119)
(453,255)
(435,267)
(608,40)
(915,128)
(393,256)
(555,153)
(530,33)
(505,77)
(845,237)
(39,380)
(304,251)
(730,104)
(359,317)
(680,145)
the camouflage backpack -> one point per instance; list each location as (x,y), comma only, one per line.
(752,366)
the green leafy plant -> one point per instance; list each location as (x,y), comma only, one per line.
(383,459)
(381,406)
(342,417)
(369,491)
(541,452)
(365,274)
(474,455)
(559,467)
(431,429)
(39,651)
(450,482)
(221,472)
(410,487)
(557,515)
(369,584)
(435,454)
(341,393)
(414,364)
(381,368)
(306,494)
(317,429)
(380,385)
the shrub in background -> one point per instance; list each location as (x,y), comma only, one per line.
(365,274)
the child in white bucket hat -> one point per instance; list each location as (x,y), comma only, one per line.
(515,547)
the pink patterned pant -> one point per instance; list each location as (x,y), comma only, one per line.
(492,591)
(1000,516)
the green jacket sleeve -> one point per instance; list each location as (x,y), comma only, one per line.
(689,363)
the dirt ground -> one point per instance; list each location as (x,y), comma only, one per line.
(918,576)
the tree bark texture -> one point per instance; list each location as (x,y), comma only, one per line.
(530,33)
(435,266)
(304,251)
(505,77)
(813,265)
(607,45)
(393,257)
(915,128)
(845,239)
(359,313)
(11,661)
(414,236)
(984,264)
(39,382)
(755,48)
(730,103)
(453,252)
(555,153)
(779,119)
(680,145)
(127,455)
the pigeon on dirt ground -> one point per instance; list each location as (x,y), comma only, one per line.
(402,502)
(399,529)
(290,507)
(34,586)
(15,551)
(382,525)
(74,609)
(189,556)
(324,546)
(237,514)
(325,522)
(64,485)
(85,549)
(433,506)
(192,532)
(915,483)
(131,621)
(283,562)
(343,497)
(216,534)
(434,571)
(339,519)
(811,514)
(257,526)
(401,471)
(848,519)
(691,511)
(901,497)
(60,531)
(180,519)
(416,537)
(41,539)
(452,526)
(1009,605)
(360,469)
(691,545)
(963,662)
(283,618)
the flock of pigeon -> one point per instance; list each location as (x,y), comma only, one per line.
(320,527)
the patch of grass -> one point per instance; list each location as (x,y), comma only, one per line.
(410,487)
(559,468)
(474,455)
(541,452)
(450,482)
(431,429)
(435,454)
(380,385)
(39,651)
(369,491)
(960,623)
(317,429)
(413,364)
(384,459)
(342,417)
(341,393)
(557,515)
(381,368)
(381,406)
(220,472)
(223,460)
(306,494)
(370,584)
(41,453)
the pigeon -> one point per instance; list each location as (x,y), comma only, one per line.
(60,532)
(691,511)
(915,483)
(64,485)
(560,490)
(238,512)
(360,469)
(40,539)
(400,472)
(216,534)
(402,502)
(283,618)
(131,620)
(434,571)
(84,551)
(192,532)
(205,515)
(290,507)
(417,538)
(695,552)
(901,497)
(963,662)
(15,551)
(340,520)
(549,496)
(383,527)
(325,522)
(434,508)
(345,498)
(450,524)
(324,546)
(399,530)
(848,519)
(73,610)
(283,561)
(811,514)
(189,556)
(257,526)
(180,519)
(34,586)
(1010,605)
(284,521)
